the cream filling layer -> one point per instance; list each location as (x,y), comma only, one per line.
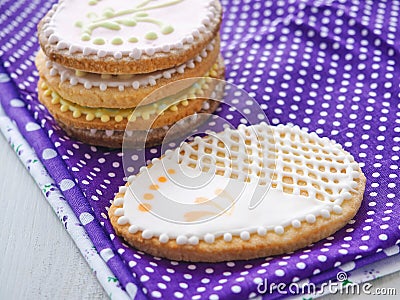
(182,123)
(135,81)
(217,186)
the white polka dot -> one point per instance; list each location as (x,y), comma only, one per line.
(301,265)
(218,288)
(17,103)
(209,270)
(66,184)
(86,218)
(49,154)
(280,273)
(132,263)
(236,289)
(183,285)
(106,254)
(4,78)
(178,295)
(32,127)
(144,278)
(383,237)
(205,280)
(156,294)
(131,289)
(161,285)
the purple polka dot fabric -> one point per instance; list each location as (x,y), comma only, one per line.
(328,66)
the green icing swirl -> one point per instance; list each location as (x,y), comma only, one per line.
(99,41)
(151,36)
(114,20)
(133,40)
(167,29)
(117,41)
(85,37)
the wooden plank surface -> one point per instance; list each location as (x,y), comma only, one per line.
(38,258)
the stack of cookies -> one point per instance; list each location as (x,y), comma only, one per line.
(101,59)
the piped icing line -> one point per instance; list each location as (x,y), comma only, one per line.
(288,143)
(144,112)
(135,81)
(75,36)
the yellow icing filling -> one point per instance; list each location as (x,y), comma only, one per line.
(145,111)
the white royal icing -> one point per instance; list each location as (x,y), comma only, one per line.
(205,206)
(120,28)
(104,81)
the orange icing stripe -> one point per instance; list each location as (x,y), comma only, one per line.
(148,196)
(144,207)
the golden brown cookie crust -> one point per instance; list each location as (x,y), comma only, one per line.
(127,65)
(256,247)
(112,97)
(167,118)
(154,137)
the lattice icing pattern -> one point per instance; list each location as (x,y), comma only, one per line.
(236,154)
(207,187)
(292,161)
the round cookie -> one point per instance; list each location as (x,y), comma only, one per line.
(168,111)
(316,188)
(155,136)
(118,37)
(122,91)
(110,131)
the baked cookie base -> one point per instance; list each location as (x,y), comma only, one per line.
(136,138)
(256,247)
(126,65)
(112,97)
(68,117)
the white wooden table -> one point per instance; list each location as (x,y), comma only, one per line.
(38,259)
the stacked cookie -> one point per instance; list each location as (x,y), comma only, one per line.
(101,59)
